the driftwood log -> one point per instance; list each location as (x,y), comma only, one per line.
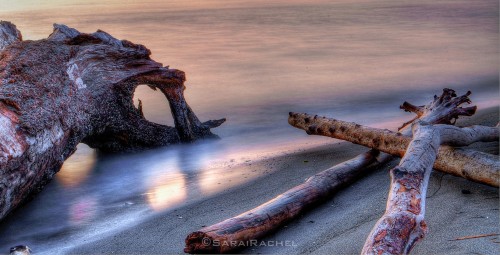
(74,87)
(232,234)
(235,233)
(402,224)
(470,164)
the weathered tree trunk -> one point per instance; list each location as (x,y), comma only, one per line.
(402,224)
(473,165)
(74,87)
(233,233)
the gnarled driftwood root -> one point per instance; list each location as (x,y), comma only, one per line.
(75,87)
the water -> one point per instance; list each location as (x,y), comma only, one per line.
(251,62)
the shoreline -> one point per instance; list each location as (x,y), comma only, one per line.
(340,224)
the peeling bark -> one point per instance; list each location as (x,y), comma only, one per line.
(75,87)
(443,109)
(473,165)
(402,224)
(268,217)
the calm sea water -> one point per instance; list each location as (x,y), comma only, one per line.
(251,62)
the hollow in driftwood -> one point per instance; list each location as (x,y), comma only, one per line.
(75,87)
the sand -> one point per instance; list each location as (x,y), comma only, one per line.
(455,208)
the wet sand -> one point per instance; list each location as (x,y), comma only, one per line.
(455,208)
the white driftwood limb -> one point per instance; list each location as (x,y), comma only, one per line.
(473,165)
(402,224)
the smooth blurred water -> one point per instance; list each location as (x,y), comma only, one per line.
(251,62)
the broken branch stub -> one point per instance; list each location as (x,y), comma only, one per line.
(447,106)
(8,34)
(268,217)
(443,109)
(473,165)
(75,87)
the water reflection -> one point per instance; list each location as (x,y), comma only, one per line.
(83,210)
(252,62)
(77,168)
(166,191)
(211,182)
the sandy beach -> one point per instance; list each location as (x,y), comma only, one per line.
(250,62)
(455,208)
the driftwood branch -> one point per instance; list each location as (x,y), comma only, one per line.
(473,165)
(256,223)
(419,110)
(227,236)
(474,236)
(448,104)
(75,87)
(402,224)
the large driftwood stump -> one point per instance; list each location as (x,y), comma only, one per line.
(402,224)
(228,235)
(74,87)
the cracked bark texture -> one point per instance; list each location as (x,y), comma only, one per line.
(228,235)
(75,87)
(473,165)
(445,109)
(268,217)
(402,224)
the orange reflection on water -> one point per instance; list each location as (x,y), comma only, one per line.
(76,169)
(166,191)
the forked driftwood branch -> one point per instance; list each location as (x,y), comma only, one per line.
(75,87)
(402,224)
(268,217)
